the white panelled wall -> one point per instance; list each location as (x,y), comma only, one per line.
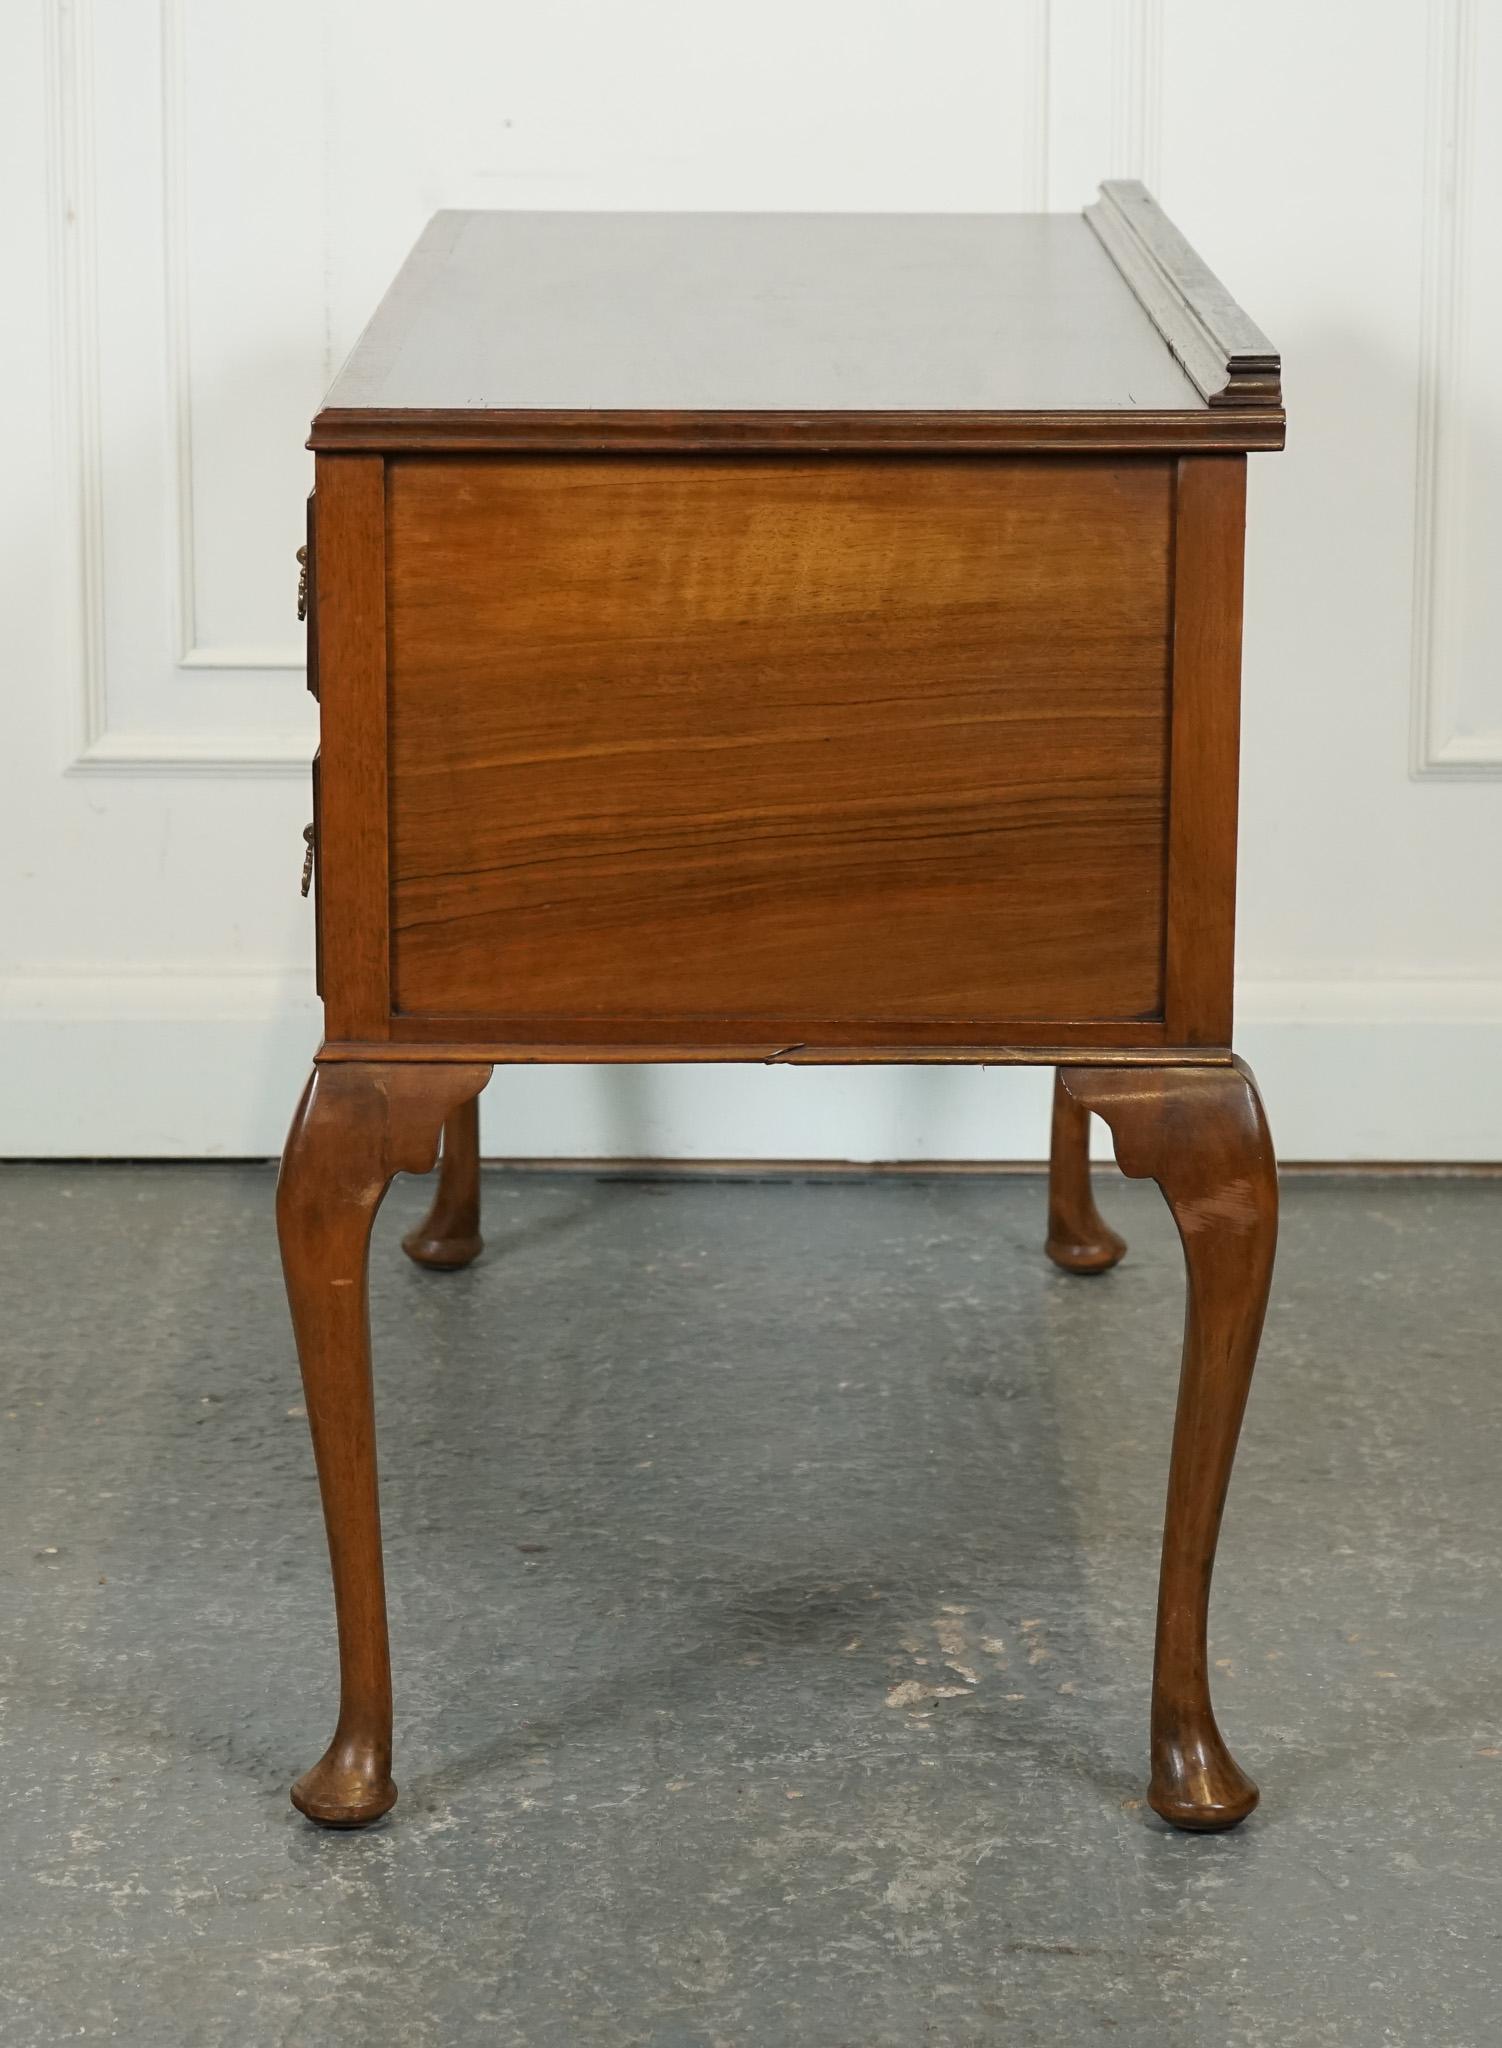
(201,200)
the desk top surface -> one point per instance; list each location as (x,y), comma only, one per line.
(738,329)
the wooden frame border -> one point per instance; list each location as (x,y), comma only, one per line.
(1205,657)
(1095,1053)
(755,1038)
(354,826)
(1204,749)
(1228,424)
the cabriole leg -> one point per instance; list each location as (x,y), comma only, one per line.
(1200,1133)
(449,1235)
(1079,1239)
(356,1126)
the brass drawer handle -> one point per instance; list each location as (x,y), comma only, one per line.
(302,589)
(307,859)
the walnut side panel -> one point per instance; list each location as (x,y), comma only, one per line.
(352,824)
(1209,527)
(684,745)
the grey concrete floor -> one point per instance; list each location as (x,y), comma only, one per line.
(772,1572)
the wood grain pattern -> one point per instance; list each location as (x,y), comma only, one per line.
(351,629)
(694,745)
(1209,537)
(1201,1135)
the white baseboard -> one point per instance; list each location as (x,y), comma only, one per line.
(1377,1070)
(173,1066)
(152,1066)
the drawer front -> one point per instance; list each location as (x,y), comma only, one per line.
(838,745)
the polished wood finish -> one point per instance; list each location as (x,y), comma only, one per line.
(860,332)
(1105,781)
(1201,1135)
(751,313)
(353,891)
(810,641)
(1132,1046)
(449,1235)
(457,432)
(355,1127)
(1079,1239)
(1199,962)
(803,796)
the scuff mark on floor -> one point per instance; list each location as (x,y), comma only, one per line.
(912,1692)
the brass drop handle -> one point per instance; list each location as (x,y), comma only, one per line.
(302,589)
(307,859)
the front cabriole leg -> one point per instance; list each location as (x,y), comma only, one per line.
(1200,1133)
(357,1125)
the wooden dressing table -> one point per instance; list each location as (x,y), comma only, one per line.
(785,638)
